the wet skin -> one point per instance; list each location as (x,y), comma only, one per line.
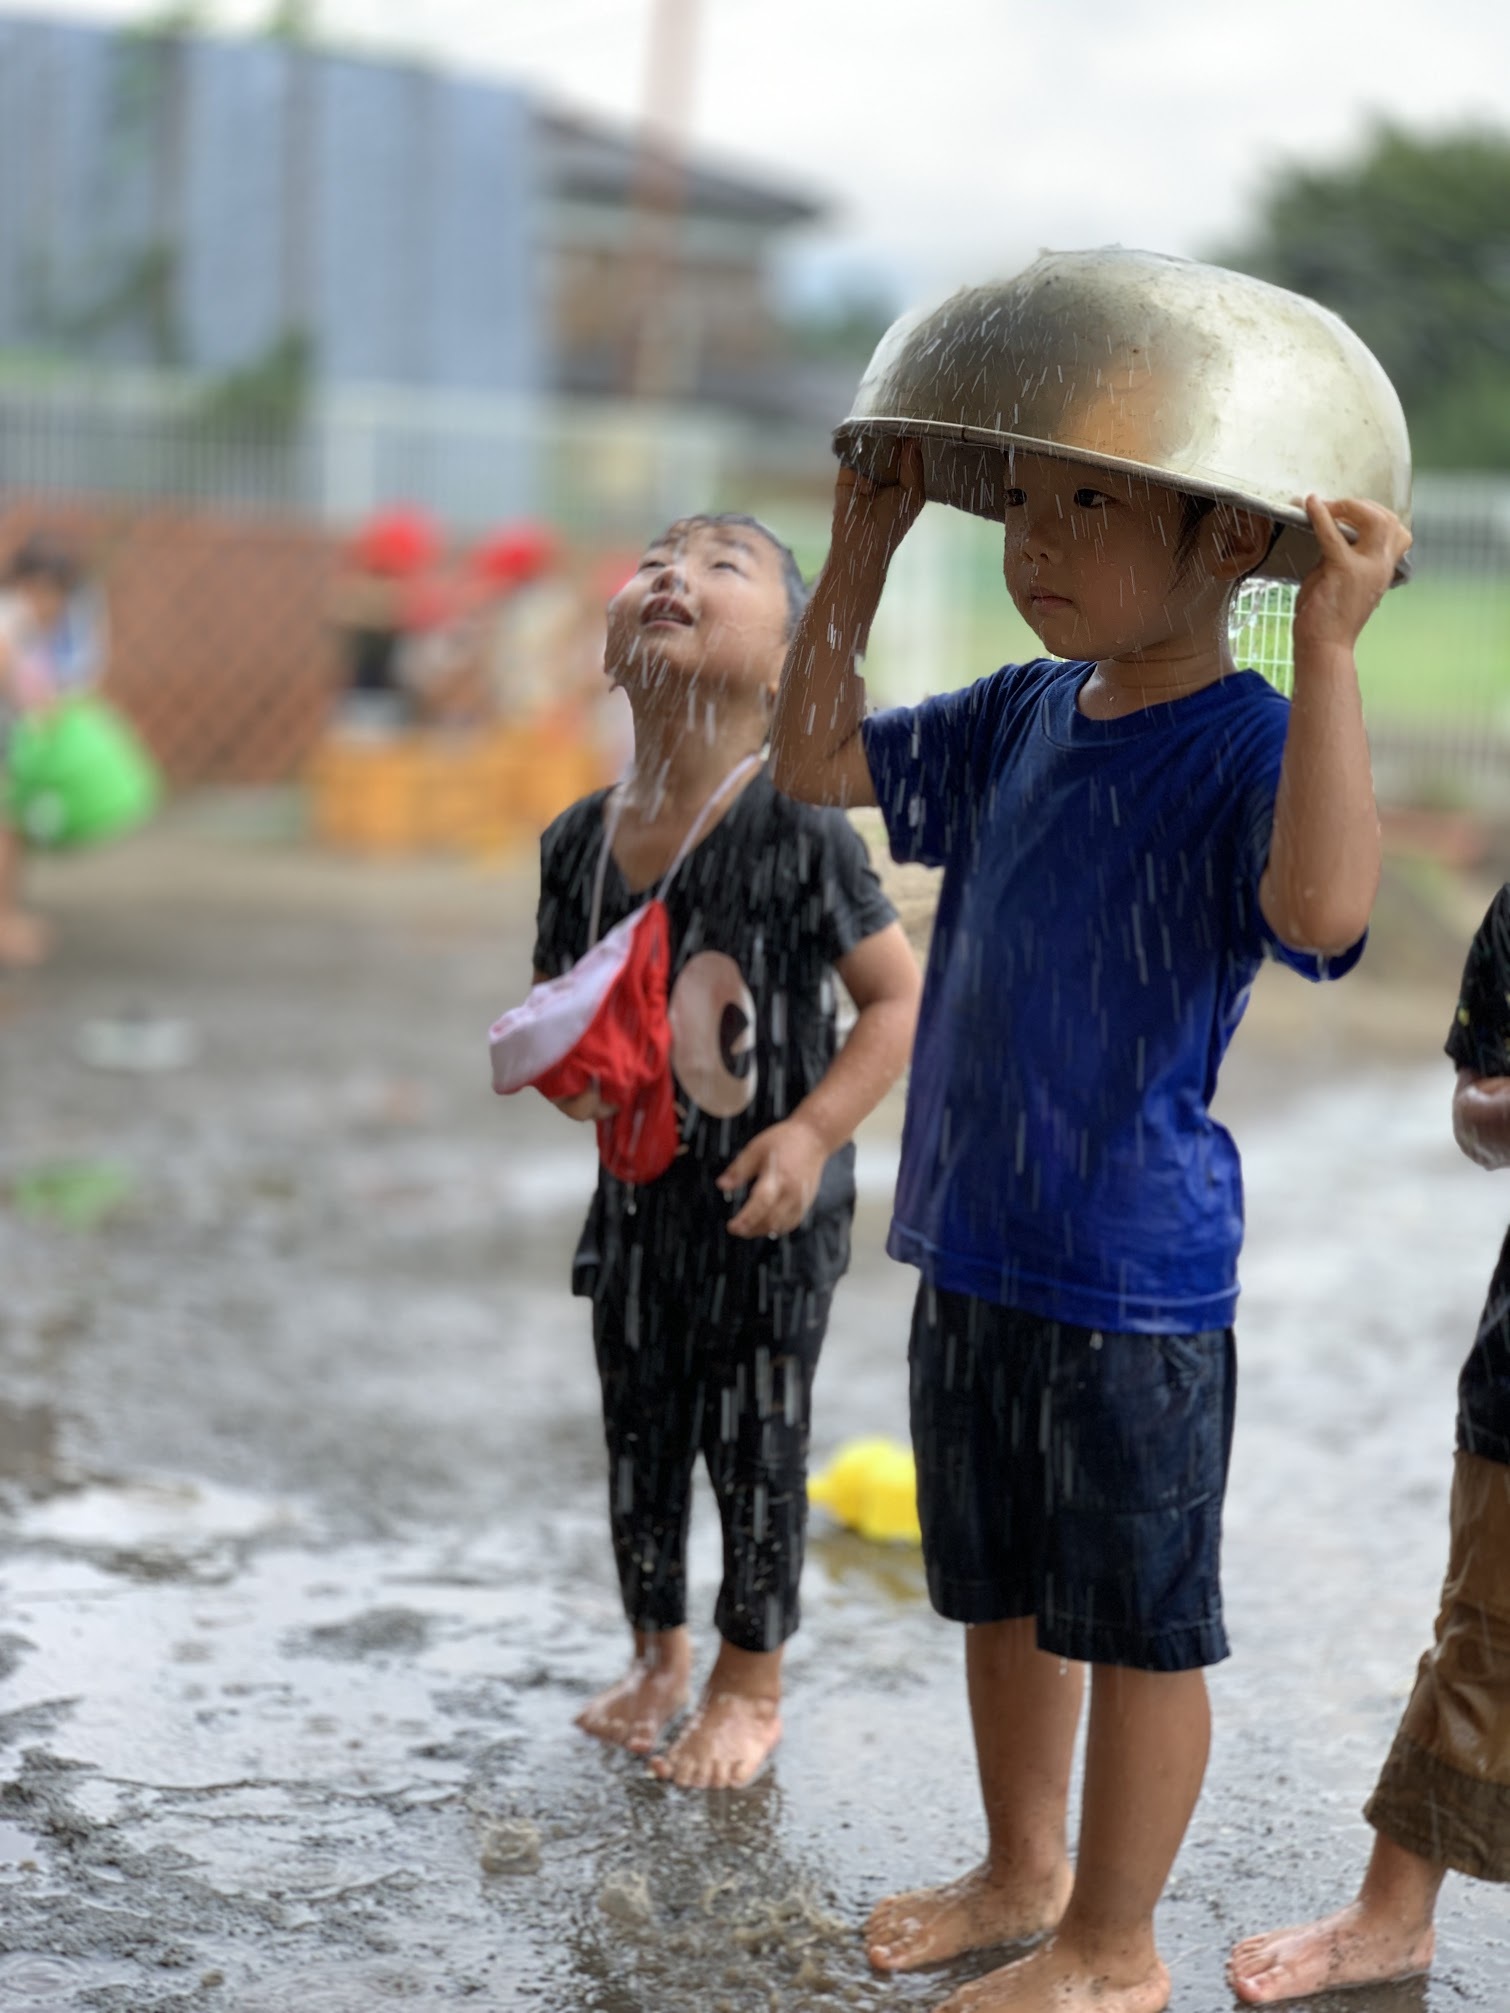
(730,1736)
(979,1911)
(736,1727)
(1385,1934)
(1064,1978)
(1145,1756)
(635,1711)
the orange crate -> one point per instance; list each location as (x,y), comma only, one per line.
(488,793)
(366,798)
(453,802)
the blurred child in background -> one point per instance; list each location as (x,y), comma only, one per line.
(52,645)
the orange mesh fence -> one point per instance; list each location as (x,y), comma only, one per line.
(219,651)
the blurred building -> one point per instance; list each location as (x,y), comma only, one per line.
(211,206)
(280,216)
(252,290)
(607,258)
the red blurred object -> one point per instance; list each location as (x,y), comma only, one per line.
(398,543)
(428,603)
(516,555)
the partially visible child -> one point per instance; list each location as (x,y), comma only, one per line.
(51,645)
(711,1285)
(381,603)
(1127,829)
(1443,1800)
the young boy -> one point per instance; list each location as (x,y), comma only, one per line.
(711,1285)
(1124,836)
(1443,1799)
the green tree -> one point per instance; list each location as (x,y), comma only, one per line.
(843,329)
(293,21)
(1410,243)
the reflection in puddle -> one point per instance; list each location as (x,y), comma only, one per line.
(18,1850)
(352,1989)
(28,1445)
(30,1980)
(161,1517)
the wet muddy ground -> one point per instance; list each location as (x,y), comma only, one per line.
(304,1565)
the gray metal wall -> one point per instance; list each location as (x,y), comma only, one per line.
(387,211)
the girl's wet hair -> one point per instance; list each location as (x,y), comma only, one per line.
(791,573)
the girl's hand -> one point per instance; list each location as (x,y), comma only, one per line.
(1481,1118)
(1338,596)
(782,1166)
(587,1104)
(873,514)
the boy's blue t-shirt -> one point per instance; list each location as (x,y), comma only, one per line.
(1097,935)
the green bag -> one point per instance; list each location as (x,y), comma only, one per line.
(79,773)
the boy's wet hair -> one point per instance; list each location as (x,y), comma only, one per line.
(45,558)
(1194,510)
(791,573)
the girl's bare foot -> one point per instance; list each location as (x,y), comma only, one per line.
(976,1912)
(1058,1979)
(736,1726)
(724,1745)
(1359,1945)
(636,1711)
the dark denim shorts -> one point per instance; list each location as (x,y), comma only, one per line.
(1075,1475)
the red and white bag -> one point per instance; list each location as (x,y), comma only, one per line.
(604,1025)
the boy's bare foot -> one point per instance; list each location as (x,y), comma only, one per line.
(636,1711)
(24,940)
(976,1912)
(1358,1945)
(738,1723)
(1056,1979)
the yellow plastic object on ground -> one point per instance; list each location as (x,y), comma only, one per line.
(871,1485)
(489,792)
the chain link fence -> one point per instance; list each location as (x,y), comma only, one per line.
(216,536)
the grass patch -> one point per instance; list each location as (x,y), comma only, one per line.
(1439,649)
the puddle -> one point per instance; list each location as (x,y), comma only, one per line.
(163,1519)
(28,1445)
(354,1988)
(137,1044)
(383,1632)
(18,1850)
(31,1980)
(298,1735)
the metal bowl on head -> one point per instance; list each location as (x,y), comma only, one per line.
(1198,378)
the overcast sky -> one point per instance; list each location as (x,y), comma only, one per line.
(954,138)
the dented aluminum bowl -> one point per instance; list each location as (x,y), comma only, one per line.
(1194,376)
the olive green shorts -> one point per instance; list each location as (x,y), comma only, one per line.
(1444,1793)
